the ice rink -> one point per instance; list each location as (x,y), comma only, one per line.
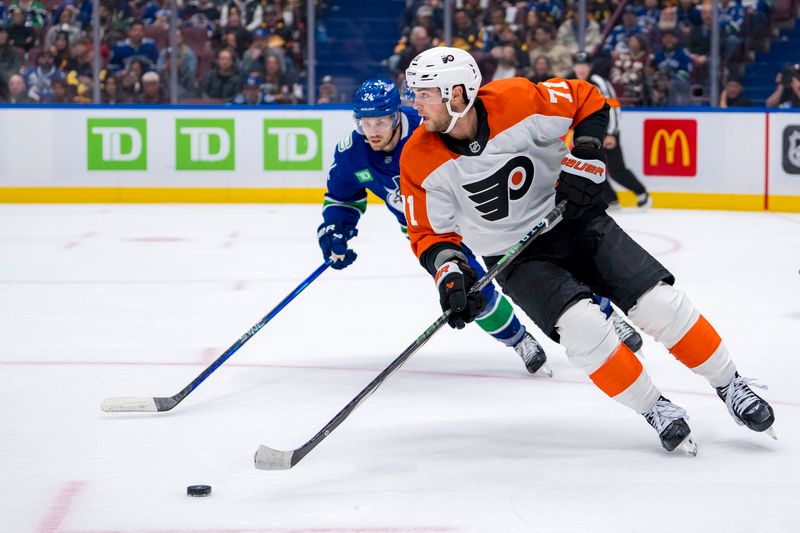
(99,301)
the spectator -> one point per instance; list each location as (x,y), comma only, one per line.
(17,92)
(567,34)
(61,92)
(130,86)
(277,85)
(201,13)
(186,55)
(328,92)
(34,12)
(109,93)
(249,10)
(187,82)
(466,34)
(420,41)
(62,54)
(550,11)
(649,16)
(233,35)
(136,46)
(152,92)
(505,61)
(509,37)
(19,33)
(279,35)
(540,70)
(491,32)
(9,58)
(223,82)
(676,63)
(619,37)
(688,15)
(732,96)
(151,10)
(253,58)
(425,19)
(39,78)
(560,58)
(700,40)
(628,71)
(787,89)
(251,92)
(476,9)
(80,66)
(67,23)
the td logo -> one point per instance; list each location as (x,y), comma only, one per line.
(205,144)
(116,144)
(293,144)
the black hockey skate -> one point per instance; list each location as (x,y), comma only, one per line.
(669,420)
(626,333)
(533,356)
(643,201)
(746,407)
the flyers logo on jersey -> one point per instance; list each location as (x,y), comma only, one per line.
(493,195)
(670,147)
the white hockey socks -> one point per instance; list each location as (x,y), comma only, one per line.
(668,315)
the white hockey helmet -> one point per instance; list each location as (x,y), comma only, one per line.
(444,68)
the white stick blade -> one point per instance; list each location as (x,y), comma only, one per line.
(129,404)
(269,459)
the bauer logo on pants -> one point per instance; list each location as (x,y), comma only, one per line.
(293,144)
(791,149)
(205,144)
(116,144)
(670,147)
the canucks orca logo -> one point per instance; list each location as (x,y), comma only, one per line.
(393,198)
(493,195)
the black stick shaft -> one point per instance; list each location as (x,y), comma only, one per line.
(269,459)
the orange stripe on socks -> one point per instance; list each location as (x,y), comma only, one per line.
(618,372)
(699,343)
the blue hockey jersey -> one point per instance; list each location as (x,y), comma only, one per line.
(357,168)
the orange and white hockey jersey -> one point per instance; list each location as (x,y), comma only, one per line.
(493,198)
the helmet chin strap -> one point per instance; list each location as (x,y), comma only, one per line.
(455,116)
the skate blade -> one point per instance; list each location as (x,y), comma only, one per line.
(688,446)
(771,432)
(544,371)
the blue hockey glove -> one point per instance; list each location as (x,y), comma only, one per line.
(454,280)
(333,242)
(581,181)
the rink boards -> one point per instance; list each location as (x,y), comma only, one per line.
(688,158)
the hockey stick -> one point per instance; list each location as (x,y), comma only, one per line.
(137,403)
(267,458)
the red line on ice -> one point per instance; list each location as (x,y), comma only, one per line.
(520,377)
(433,529)
(60,508)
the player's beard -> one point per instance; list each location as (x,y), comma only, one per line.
(437,125)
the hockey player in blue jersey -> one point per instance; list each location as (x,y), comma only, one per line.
(369,159)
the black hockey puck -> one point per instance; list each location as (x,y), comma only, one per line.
(198,490)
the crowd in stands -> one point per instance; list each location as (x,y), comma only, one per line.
(656,52)
(239,51)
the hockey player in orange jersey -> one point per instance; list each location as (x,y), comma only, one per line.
(484,167)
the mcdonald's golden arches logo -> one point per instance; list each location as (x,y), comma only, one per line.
(670,147)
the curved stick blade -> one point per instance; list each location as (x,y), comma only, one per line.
(129,404)
(268,459)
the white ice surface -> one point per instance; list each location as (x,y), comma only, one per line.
(99,301)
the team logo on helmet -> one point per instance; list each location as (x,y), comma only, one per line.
(493,195)
(447,58)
